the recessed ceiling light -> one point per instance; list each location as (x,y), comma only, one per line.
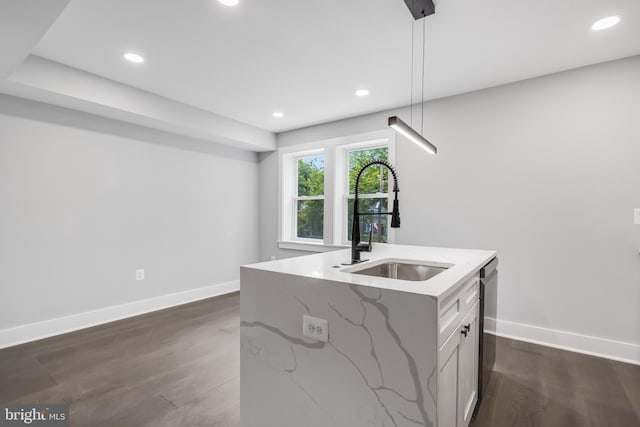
(229,2)
(604,23)
(362,92)
(133,57)
(278,115)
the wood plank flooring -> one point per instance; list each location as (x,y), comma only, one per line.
(176,367)
(542,386)
(180,368)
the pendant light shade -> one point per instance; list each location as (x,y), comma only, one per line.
(407,131)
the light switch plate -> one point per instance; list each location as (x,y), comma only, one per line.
(636,216)
(317,329)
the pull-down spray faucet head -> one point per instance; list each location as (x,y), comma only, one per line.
(395,214)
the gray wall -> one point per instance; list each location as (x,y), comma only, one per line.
(546,171)
(85,201)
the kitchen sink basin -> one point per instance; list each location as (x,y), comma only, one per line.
(401,271)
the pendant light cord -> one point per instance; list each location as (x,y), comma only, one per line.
(424,49)
(413,26)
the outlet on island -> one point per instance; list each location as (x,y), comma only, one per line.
(140,274)
(317,329)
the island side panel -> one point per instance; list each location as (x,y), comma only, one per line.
(377,369)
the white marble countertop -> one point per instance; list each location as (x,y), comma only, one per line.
(462,264)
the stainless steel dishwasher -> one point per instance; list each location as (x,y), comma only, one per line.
(488,312)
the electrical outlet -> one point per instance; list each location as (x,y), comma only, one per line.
(317,329)
(273,257)
(140,274)
(636,216)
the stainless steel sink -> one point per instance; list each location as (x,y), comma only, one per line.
(402,271)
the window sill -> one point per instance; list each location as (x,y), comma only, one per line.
(308,246)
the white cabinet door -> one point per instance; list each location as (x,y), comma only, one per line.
(448,381)
(468,367)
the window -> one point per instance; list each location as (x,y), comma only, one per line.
(309,200)
(317,192)
(373,195)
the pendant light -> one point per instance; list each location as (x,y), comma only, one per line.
(420,9)
(407,131)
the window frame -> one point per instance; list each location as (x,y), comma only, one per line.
(336,164)
(342,228)
(296,197)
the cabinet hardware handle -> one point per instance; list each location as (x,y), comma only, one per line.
(464,332)
(467,327)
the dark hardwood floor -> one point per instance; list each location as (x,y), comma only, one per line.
(534,385)
(176,367)
(180,368)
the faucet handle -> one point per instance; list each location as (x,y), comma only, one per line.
(365,247)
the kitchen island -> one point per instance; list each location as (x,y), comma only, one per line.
(324,344)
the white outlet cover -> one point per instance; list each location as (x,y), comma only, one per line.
(636,216)
(314,328)
(140,274)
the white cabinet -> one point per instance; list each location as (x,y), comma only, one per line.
(458,372)
(468,367)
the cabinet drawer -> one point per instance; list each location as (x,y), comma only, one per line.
(455,307)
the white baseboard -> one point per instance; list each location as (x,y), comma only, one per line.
(594,346)
(48,328)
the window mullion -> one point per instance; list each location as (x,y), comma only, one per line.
(370,196)
(309,197)
(329,174)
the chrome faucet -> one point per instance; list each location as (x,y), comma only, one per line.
(356,246)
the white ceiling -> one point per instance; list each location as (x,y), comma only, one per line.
(306,58)
(21,28)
